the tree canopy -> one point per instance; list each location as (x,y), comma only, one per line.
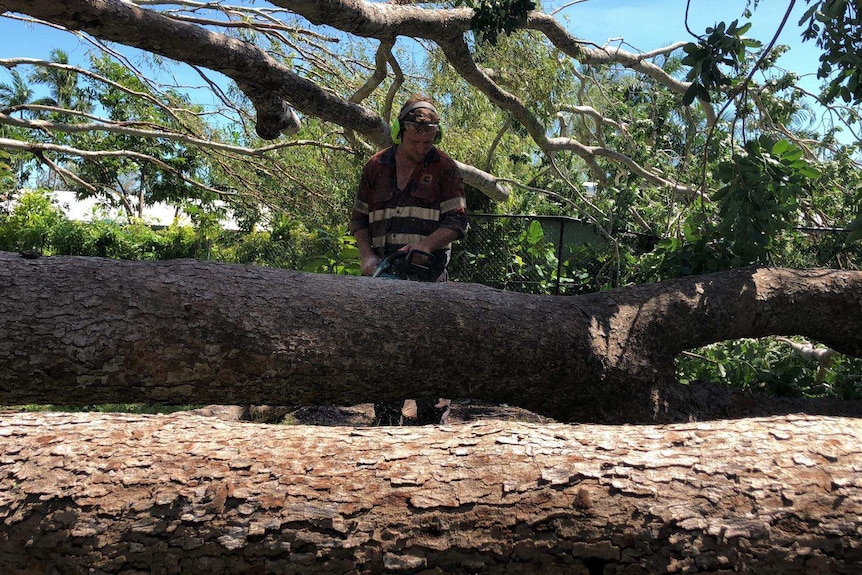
(531,109)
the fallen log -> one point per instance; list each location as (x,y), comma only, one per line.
(180,493)
(81,331)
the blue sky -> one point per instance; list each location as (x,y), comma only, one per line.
(650,24)
(642,25)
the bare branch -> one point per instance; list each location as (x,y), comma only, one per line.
(129,129)
(197,33)
(384,51)
(13,62)
(64,173)
(38,149)
(458,55)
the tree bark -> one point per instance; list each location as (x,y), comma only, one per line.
(80,330)
(115,493)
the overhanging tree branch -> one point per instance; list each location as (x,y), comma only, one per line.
(131,129)
(269,84)
(38,149)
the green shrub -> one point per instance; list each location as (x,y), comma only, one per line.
(31,222)
(770,366)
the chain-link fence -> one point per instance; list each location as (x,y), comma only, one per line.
(524,253)
(531,254)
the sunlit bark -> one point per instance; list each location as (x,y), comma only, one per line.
(185,494)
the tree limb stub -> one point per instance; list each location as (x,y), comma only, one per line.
(182,494)
(91,330)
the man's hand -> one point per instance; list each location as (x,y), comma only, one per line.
(441,238)
(369,264)
(418,258)
(368,260)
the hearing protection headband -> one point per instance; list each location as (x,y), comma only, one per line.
(397,127)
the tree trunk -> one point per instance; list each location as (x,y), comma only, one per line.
(80,330)
(188,494)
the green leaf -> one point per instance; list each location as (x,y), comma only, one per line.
(742,29)
(780,147)
(349,253)
(690,94)
(535,234)
(317,265)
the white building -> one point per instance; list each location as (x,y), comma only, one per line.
(92,209)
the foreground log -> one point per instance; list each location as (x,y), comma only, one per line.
(188,494)
(80,330)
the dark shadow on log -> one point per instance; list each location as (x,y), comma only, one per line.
(701,401)
(709,401)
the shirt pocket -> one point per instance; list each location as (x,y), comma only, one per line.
(425,189)
(382,192)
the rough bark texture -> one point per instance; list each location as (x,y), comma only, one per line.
(90,330)
(187,494)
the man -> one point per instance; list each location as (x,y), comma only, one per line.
(410,198)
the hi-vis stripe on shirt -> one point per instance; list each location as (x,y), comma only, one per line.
(404,212)
(411,211)
(360,206)
(453,204)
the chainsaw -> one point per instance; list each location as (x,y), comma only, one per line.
(400,266)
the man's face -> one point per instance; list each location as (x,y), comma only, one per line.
(418,140)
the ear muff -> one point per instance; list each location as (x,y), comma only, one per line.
(396,130)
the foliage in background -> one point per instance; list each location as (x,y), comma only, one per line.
(35,223)
(30,224)
(764,184)
(146,408)
(836,26)
(493,17)
(6,174)
(521,259)
(769,366)
(336,254)
(722,45)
